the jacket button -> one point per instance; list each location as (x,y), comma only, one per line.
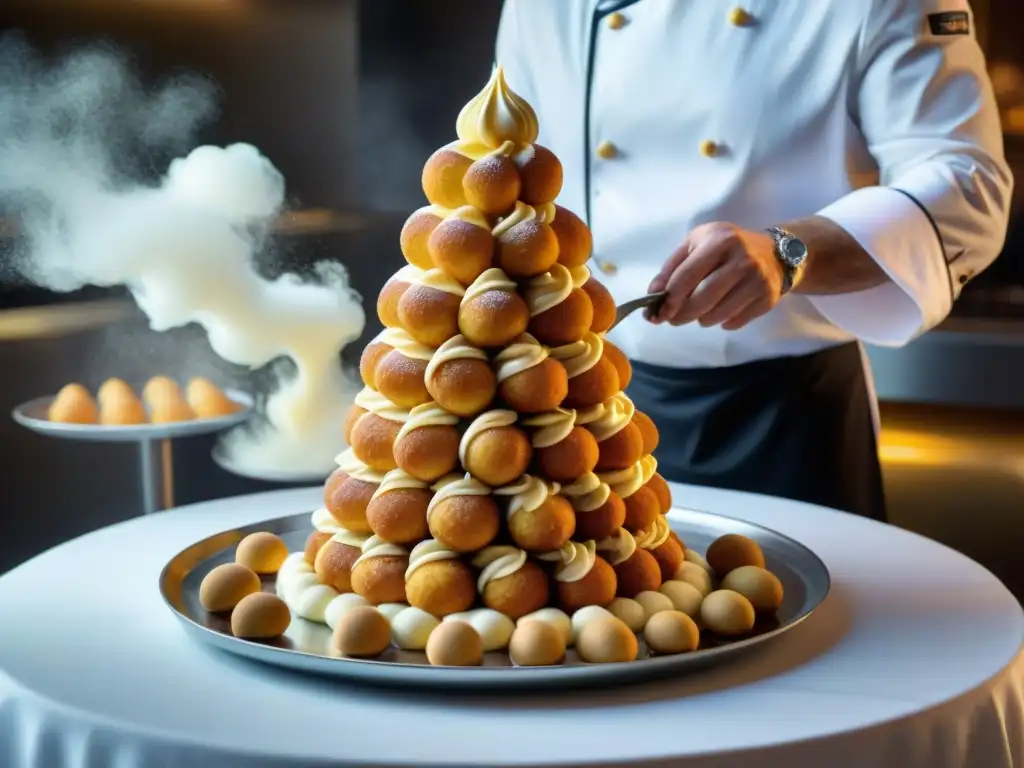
(615,20)
(606,150)
(740,17)
(608,268)
(709,148)
(964,278)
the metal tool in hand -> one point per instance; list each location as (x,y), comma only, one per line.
(650,303)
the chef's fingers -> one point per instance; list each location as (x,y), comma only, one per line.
(701,262)
(709,293)
(661,279)
(752,312)
(742,295)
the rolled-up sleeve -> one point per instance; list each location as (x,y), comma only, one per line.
(925,106)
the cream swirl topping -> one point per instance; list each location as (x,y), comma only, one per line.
(349,538)
(551,427)
(427,415)
(451,486)
(587,493)
(324,521)
(375,546)
(580,275)
(479,425)
(354,468)
(625,482)
(520,214)
(456,348)
(526,494)
(580,356)
(648,467)
(438,280)
(497,562)
(521,355)
(618,412)
(493,279)
(405,344)
(428,551)
(619,547)
(589,415)
(497,114)
(398,480)
(373,401)
(656,536)
(547,291)
(575,560)
(470,215)
(409,273)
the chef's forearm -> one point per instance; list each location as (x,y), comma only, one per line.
(836,262)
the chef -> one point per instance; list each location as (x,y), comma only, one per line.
(800,176)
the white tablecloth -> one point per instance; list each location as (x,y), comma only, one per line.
(914,660)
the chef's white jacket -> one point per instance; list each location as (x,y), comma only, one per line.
(877,114)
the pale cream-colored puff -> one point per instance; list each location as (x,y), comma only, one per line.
(443,174)
(75,405)
(416,234)
(391,294)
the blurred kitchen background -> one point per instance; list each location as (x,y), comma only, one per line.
(348,99)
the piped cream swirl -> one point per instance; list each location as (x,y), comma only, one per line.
(493,279)
(411,274)
(547,291)
(580,356)
(373,401)
(619,547)
(375,546)
(349,464)
(586,416)
(399,480)
(427,415)
(625,482)
(497,114)
(497,562)
(648,468)
(655,536)
(587,493)
(522,213)
(487,420)
(428,551)
(450,486)
(470,215)
(406,345)
(580,275)
(551,427)
(521,355)
(618,412)
(575,560)
(439,280)
(456,348)
(324,522)
(526,494)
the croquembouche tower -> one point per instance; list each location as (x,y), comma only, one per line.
(495,460)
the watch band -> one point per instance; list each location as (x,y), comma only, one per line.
(790,272)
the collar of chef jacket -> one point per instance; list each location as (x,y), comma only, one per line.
(760,115)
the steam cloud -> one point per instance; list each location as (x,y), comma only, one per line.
(82,146)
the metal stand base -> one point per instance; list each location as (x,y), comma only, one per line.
(156,469)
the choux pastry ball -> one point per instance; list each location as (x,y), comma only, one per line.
(494,318)
(536,644)
(621,450)
(73,405)
(642,509)
(761,587)
(526,249)
(594,386)
(620,362)
(389,297)
(570,458)
(603,305)
(602,522)
(261,552)
(224,586)
(464,387)
(732,551)
(401,379)
(648,431)
(119,405)
(333,564)
(372,354)
(525,591)
(539,388)
(596,588)
(566,322)
(347,498)
(400,515)
(630,612)
(362,632)
(260,616)
(607,641)
(654,602)
(442,177)
(428,453)
(575,243)
(428,314)
(381,579)
(541,174)
(465,523)
(659,487)
(694,575)
(462,245)
(639,573)
(492,184)
(498,455)
(684,596)
(416,233)
(727,613)
(207,400)
(545,528)
(314,543)
(670,632)
(455,644)
(373,439)
(441,587)
(670,558)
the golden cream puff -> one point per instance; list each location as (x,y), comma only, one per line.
(492,314)
(334,559)
(575,243)
(207,400)
(462,244)
(599,511)
(562,451)
(529,381)
(378,574)
(539,520)
(397,512)
(119,405)
(659,486)
(619,441)
(351,419)
(416,234)
(314,542)
(460,379)
(582,577)
(648,431)
(636,570)
(462,515)
(399,374)
(493,449)
(509,582)
(560,312)
(642,505)
(437,581)
(540,172)
(618,358)
(373,353)
(443,174)
(391,294)
(166,401)
(657,540)
(348,491)
(492,183)
(429,309)
(427,445)
(600,299)
(592,378)
(372,436)
(526,243)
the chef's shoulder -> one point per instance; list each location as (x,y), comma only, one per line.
(937,21)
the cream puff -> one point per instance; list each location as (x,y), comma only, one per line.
(529,381)
(582,577)
(620,442)
(118,404)
(600,298)
(462,515)
(334,559)
(540,173)
(538,519)
(642,505)
(666,550)
(166,401)
(437,581)
(207,400)
(599,511)
(636,570)
(75,405)
(397,512)
(348,491)
(648,431)
(378,574)
(492,314)
(462,244)
(560,312)
(313,544)
(659,486)
(575,243)
(443,174)
(399,374)
(493,449)
(391,294)
(416,234)
(460,379)
(618,359)
(429,309)
(373,353)
(427,445)
(526,243)
(372,435)
(492,183)
(562,451)
(509,582)
(592,378)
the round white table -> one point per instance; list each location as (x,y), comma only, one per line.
(914,660)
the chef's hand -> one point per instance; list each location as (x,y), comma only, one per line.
(720,275)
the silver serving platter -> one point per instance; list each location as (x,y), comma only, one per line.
(33,415)
(306,646)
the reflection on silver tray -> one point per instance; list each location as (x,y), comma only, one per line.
(33,415)
(306,645)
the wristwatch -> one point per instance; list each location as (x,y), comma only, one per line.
(791,252)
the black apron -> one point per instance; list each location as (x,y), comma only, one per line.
(797,427)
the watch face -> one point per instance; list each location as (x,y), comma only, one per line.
(793,251)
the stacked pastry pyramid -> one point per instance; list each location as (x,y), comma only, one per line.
(495,461)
